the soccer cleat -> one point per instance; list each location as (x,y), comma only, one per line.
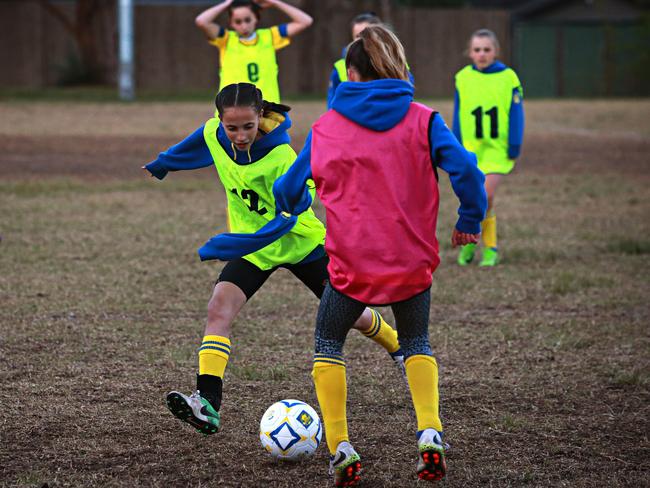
(431,463)
(490,257)
(466,254)
(345,465)
(398,359)
(195,410)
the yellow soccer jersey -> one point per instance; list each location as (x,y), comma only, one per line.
(483,113)
(252,61)
(251,204)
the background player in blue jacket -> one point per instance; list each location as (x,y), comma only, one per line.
(339,72)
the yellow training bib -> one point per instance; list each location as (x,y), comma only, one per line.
(249,191)
(254,63)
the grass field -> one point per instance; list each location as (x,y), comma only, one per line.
(545,364)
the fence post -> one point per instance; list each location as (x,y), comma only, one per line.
(126,61)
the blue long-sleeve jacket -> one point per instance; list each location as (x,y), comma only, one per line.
(380,105)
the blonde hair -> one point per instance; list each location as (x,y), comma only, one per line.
(484,33)
(377,54)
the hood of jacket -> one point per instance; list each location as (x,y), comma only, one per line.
(378,105)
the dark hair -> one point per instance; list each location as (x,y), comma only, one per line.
(367,17)
(246,95)
(377,53)
(255,8)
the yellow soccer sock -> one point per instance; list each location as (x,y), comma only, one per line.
(382,333)
(422,374)
(489,230)
(213,355)
(332,392)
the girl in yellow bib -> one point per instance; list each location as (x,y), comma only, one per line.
(249,145)
(488,121)
(246,53)
(339,71)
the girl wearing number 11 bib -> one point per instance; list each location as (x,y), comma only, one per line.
(246,53)
(488,121)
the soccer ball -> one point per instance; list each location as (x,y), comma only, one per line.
(291,430)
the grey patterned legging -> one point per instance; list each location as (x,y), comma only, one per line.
(338,312)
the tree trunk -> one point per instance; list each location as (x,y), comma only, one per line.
(81,28)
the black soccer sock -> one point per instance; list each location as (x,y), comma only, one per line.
(210,388)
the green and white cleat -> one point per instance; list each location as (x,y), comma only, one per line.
(345,465)
(431,462)
(195,410)
(466,254)
(490,257)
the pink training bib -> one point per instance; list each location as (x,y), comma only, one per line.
(380,193)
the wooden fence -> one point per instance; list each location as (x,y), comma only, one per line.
(173,56)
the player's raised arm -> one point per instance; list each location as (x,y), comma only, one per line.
(206,20)
(299,20)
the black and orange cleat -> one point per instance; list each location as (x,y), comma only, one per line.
(431,463)
(345,465)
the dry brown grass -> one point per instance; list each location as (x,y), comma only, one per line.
(544,360)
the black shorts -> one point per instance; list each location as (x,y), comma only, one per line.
(249,278)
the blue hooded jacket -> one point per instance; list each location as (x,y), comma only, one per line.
(379,105)
(335,81)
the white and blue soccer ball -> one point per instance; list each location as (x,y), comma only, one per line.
(291,430)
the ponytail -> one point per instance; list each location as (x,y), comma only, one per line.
(377,54)
(274,107)
(245,95)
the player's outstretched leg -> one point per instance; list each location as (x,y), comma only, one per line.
(201,409)
(345,465)
(372,325)
(431,463)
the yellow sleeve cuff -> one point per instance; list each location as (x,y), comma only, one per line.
(219,42)
(279,42)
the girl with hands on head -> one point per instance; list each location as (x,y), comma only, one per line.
(246,53)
